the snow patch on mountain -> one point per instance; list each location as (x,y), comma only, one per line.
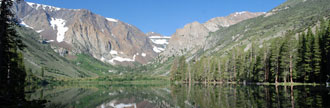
(102,59)
(50,41)
(113,52)
(121,59)
(24,24)
(158,49)
(61,29)
(44,7)
(159,37)
(39,31)
(144,54)
(240,13)
(111,20)
(160,42)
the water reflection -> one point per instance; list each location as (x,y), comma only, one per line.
(183,96)
(117,96)
(229,96)
(114,104)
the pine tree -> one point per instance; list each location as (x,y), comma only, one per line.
(42,71)
(317,56)
(215,73)
(322,44)
(274,60)
(246,67)
(219,71)
(174,70)
(183,70)
(284,61)
(300,56)
(292,58)
(308,56)
(239,65)
(327,51)
(200,69)
(266,63)
(9,44)
(234,64)
(286,57)
(258,77)
(12,70)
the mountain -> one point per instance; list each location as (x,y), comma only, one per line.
(39,56)
(79,31)
(192,37)
(270,48)
(215,24)
(294,15)
(159,41)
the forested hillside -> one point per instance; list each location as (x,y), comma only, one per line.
(288,44)
(285,59)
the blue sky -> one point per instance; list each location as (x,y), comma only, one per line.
(164,16)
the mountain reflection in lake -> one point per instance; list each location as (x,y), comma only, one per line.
(183,96)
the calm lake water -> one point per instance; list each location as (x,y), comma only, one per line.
(182,96)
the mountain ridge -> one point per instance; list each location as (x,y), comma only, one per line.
(76,31)
(192,37)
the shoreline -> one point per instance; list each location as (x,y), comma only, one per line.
(259,83)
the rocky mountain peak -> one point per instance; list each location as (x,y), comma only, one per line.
(192,36)
(74,31)
(215,23)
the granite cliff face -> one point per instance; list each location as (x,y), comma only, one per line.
(74,31)
(188,39)
(193,37)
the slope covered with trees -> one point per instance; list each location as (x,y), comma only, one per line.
(288,44)
(285,59)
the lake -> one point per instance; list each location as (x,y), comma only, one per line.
(182,96)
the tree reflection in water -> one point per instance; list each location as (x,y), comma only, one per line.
(14,97)
(228,96)
(183,96)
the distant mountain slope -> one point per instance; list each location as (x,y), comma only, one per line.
(215,24)
(192,37)
(77,31)
(38,56)
(294,15)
